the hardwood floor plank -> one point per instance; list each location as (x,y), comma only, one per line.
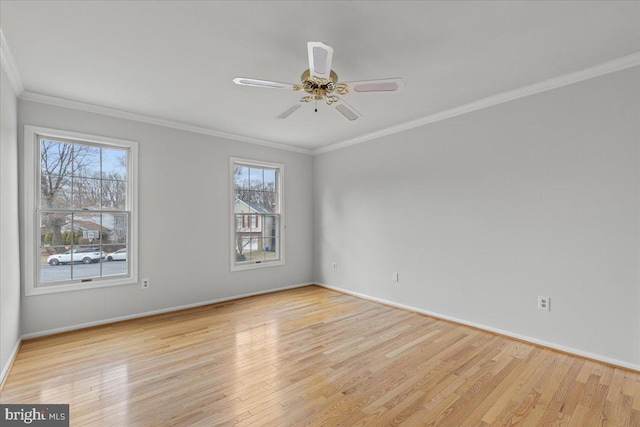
(313,357)
(636,391)
(506,400)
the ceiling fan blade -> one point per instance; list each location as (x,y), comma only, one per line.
(320,57)
(346,110)
(382,85)
(244,81)
(290,111)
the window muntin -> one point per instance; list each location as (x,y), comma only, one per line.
(257,214)
(81,191)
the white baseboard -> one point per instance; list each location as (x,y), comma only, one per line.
(154,312)
(535,341)
(7,366)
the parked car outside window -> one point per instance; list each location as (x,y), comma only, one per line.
(84,255)
(119,255)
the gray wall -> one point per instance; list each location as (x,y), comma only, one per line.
(9,238)
(483,212)
(479,214)
(183,222)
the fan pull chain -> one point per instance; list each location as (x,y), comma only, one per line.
(315,105)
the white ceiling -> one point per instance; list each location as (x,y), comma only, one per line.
(175,61)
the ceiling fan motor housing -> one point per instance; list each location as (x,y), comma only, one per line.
(319,88)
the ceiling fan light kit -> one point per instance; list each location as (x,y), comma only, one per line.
(321,83)
(320,88)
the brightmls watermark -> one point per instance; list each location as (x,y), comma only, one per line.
(34,415)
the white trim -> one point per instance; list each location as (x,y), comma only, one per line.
(159,311)
(66,103)
(31,230)
(618,64)
(531,340)
(9,66)
(7,366)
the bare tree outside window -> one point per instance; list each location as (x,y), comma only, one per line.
(59,162)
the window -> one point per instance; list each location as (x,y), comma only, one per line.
(80,194)
(256,214)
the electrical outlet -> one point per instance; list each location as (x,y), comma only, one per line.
(394,276)
(145,284)
(334,266)
(544,303)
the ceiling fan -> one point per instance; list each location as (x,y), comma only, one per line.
(320,83)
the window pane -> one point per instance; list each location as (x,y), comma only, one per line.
(256,179)
(251,249)
(56,158)
(115,262)
(114,164)
(52,264)
(86,262)
(240,195)
(257,254)
(242,247)
(55,229)
(55,191)
(271,226)
(240,206)
(87,193)
(271,251)
(115,229)
(239,222)
(86,161)
(268,202)
(241,177)
(114,194)
(80,270)
(65,170)
(87,229)
(270,180)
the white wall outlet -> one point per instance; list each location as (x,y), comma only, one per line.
(334,266)
(544,303)
(144,284)
(394,276)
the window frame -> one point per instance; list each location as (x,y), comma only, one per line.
(233,265)
(31,205)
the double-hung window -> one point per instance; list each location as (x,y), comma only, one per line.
(256,214)
(80,198)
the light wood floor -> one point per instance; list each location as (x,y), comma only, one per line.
(311,356)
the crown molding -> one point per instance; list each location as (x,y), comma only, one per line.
(90,108)
(608,67)
(9,66)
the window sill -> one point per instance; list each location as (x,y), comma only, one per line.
(54,289)
(255,265)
